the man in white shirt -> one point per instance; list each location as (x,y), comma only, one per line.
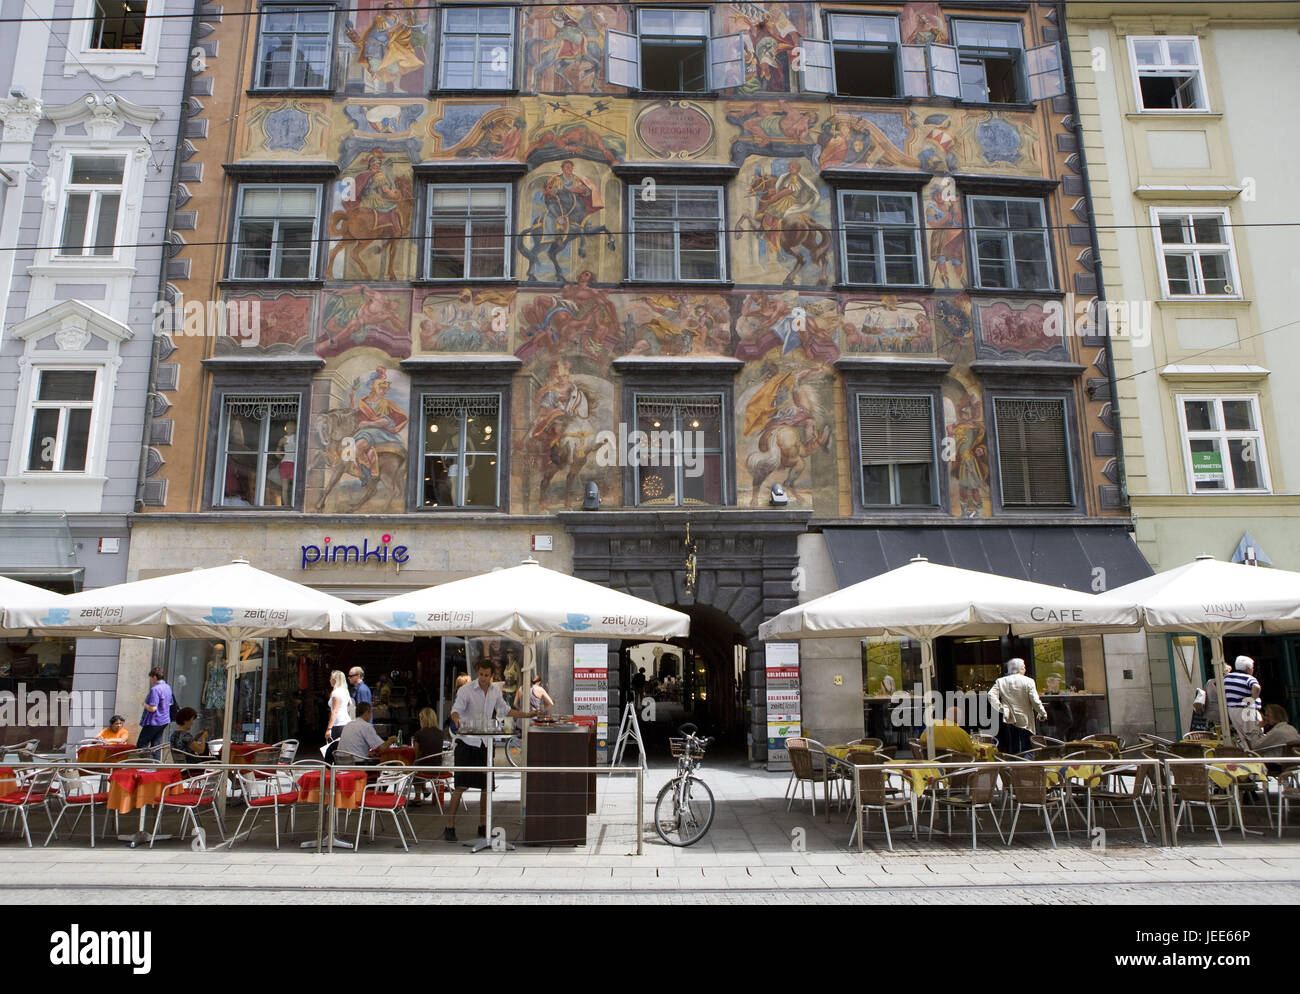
(1015,697)
(477,706)
(358,742)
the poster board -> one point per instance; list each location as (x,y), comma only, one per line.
(783,701)
(591,686)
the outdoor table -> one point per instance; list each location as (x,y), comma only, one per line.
(240,753)
(1226,772)
(402,754)
(130,789)
(1111,747)
(494,738)
(8,782)
(105,753)
(349,790)
(842,751)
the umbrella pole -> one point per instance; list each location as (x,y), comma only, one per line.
(1220,671)
(525,689)
(927,682)
(232,669)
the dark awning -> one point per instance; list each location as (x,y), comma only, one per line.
(1061,556)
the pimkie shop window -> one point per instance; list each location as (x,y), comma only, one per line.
(257,458)
(462,444)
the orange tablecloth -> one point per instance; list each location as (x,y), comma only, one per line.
(8,782)
(131,789)
(348,788)
(241,751)
(403,754)
(102,753)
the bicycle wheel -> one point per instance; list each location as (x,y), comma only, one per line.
(682,821)
(515,751)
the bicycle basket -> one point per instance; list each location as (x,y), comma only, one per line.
(679,748)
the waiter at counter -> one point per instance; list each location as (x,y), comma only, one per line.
(477,706)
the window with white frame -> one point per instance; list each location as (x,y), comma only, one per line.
(673,52)
(1011,246)
(988,63)
(678,236)
(257,451)
(477,48)
(880,238)
(1223,442)
(276,231)
(61,419)
(679,459)
(1194,248)
(462,450)
(867,56)
(92,205)
(118,24)
(295,47)
(896,445)
(467,231)
(1167,73)
(1033,452)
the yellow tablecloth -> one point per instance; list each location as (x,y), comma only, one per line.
(1223,774)
(1089,774)
(921,776)
(842,751)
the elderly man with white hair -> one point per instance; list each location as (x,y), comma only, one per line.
(1242,691)
(1015,697)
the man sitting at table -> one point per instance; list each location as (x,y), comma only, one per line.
(1275,730)
(359,741)
(949,736)
(115,733)
(478,705)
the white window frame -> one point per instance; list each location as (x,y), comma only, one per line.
(1167,68)
(724,55)
(265,443)
(277,245)
(1194,249)
(894,47)
(63,406)
(634,194)
(476,35)
(975,230)
(461,453)
(109,64)
(428,232)
(676,463)
(1223,435)
(879,229)
(96,191)
(331,38)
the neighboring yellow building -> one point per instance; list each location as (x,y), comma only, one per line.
(1182,109)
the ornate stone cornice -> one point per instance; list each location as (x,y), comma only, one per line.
(20,116)
(103,116)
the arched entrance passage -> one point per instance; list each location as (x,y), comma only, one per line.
(701,679)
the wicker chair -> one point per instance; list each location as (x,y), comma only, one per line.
(980,786)
(1045,740)
(1200,737)
(1030,789)
(1190,749)
(1154,740)
(870,743)
(806,767)
(1192,786)
(875,794)
(1136,795)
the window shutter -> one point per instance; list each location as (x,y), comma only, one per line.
(726,62)
(623,59)
(818,66)
(1032,454)
(916,80)
(1046,74)
(895,429)
(944,78)
(259,407)
(461,405)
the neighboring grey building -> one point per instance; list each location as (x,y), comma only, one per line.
(92,91)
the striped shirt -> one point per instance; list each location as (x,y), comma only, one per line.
(1237,687)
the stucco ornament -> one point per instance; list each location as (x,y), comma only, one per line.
(20,116)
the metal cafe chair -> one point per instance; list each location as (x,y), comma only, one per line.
(73,793)
(34,794)
(387,794)
(261,793)
(874,794)
(1192,786)
(191,797)
(980,784)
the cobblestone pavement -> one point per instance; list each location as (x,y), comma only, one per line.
(755,852)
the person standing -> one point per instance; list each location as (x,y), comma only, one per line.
(1241,692)
(477,706)
(157,713)
(357,686)
(341,706)
(1015,697)
(539,701)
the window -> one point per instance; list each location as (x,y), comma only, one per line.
(865,59)
(61,417)
(467,232)
(672,52)
(1033,453)
(477,48)
(881,240)
(92,201)
(257,451)
(275,232)
(989,64)
(1224,443)
(118,24)
(462,438)
(1168,73)
(896,442)
(1195,253)
(677,236)
(679,460)
(1011,247)
(295,47)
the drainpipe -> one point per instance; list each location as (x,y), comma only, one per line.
(1068,67)
(166,250)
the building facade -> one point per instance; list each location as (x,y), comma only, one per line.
(91,123)
(1195,213)
(724,305)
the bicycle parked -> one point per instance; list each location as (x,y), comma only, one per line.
(684,808)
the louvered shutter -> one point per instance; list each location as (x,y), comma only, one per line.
(1032,453)
(895,430)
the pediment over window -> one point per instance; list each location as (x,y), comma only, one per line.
(71,326)
(101,117)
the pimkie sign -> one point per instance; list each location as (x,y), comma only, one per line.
(336,553)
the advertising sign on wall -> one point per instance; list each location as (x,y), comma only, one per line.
(591,686)
(783,707)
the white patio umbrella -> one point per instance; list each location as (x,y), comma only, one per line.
(233,603)
(1215,599)
(14,594)
(925,601)
(525,603)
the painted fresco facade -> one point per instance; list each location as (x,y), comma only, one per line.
(566,337)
